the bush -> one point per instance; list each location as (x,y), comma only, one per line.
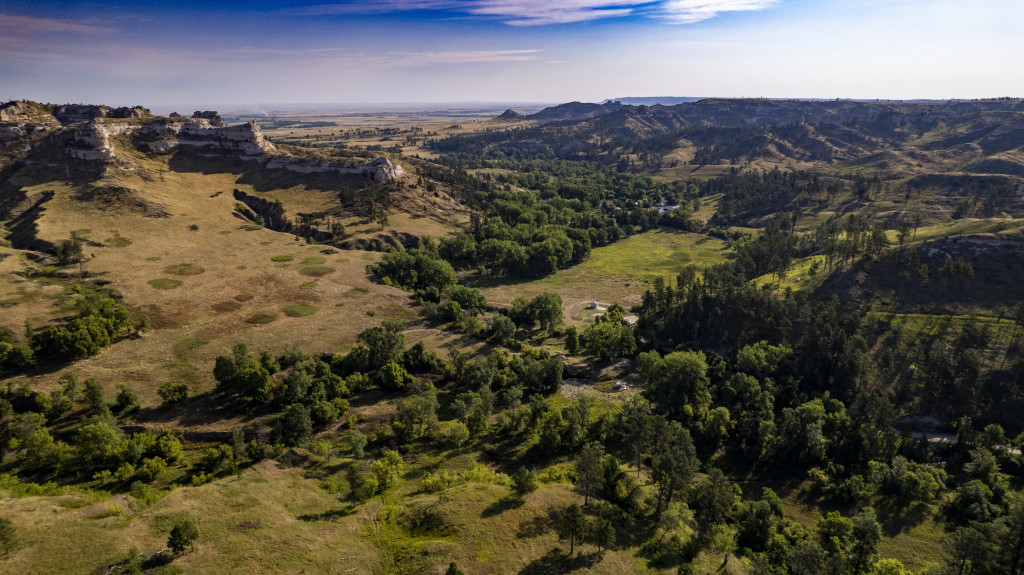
(172,392)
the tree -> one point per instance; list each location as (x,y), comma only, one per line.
(722,539)
(714,498)
(183,535)
(126,400)
(387,469)
(673,463)
(603,534)
(589,474)
(636,427)
(678,382)
(834,532)
(572,340)
(609,339)
(95,396)
(866,535)
(384,343)
(572,526)
(356,442)
(965,549)
(523,482)
(547,309)
(458,433)
(8,535)
(294,426)
(806,558)
(502,328)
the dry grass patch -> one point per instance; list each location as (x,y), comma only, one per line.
(164,283)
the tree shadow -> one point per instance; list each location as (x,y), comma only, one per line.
(502,505)
(538,525)
(332,515)
(896,518)
(557,561)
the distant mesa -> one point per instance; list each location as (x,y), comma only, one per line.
(510,114)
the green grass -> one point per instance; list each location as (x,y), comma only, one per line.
(369,256)
(316,271)
(284,258)
(116,241)
(619,272)
(164,283)
(154,259)
(313,261)
(184,270)
(261,318)
(300,310)
(658,252)
(308,285)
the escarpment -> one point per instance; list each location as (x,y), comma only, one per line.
(102,133)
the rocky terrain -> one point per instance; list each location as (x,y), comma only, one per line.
(89,130)
(896,138)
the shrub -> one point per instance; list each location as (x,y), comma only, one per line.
(173,392)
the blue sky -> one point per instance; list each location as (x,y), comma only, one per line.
(391,51)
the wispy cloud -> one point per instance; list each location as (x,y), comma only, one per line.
(461,57)
(540,12)
(689,11)
(11,25)
(536,12)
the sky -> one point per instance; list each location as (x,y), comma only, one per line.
(230,52)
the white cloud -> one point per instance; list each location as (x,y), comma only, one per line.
(539,12)
(536,12)
(690,11)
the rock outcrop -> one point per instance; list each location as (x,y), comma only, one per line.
(206,132)
(25,119)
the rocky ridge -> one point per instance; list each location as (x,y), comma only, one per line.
(92,131)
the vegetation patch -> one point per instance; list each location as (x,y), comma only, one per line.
(368,256)
(308,285)
(184,270)
(313,260)
(154,259)
(316,271)
(261,318)
(116,241)
(226,306)
(164,283)
(282,258)
(300,310)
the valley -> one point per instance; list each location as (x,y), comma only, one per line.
(588,338)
